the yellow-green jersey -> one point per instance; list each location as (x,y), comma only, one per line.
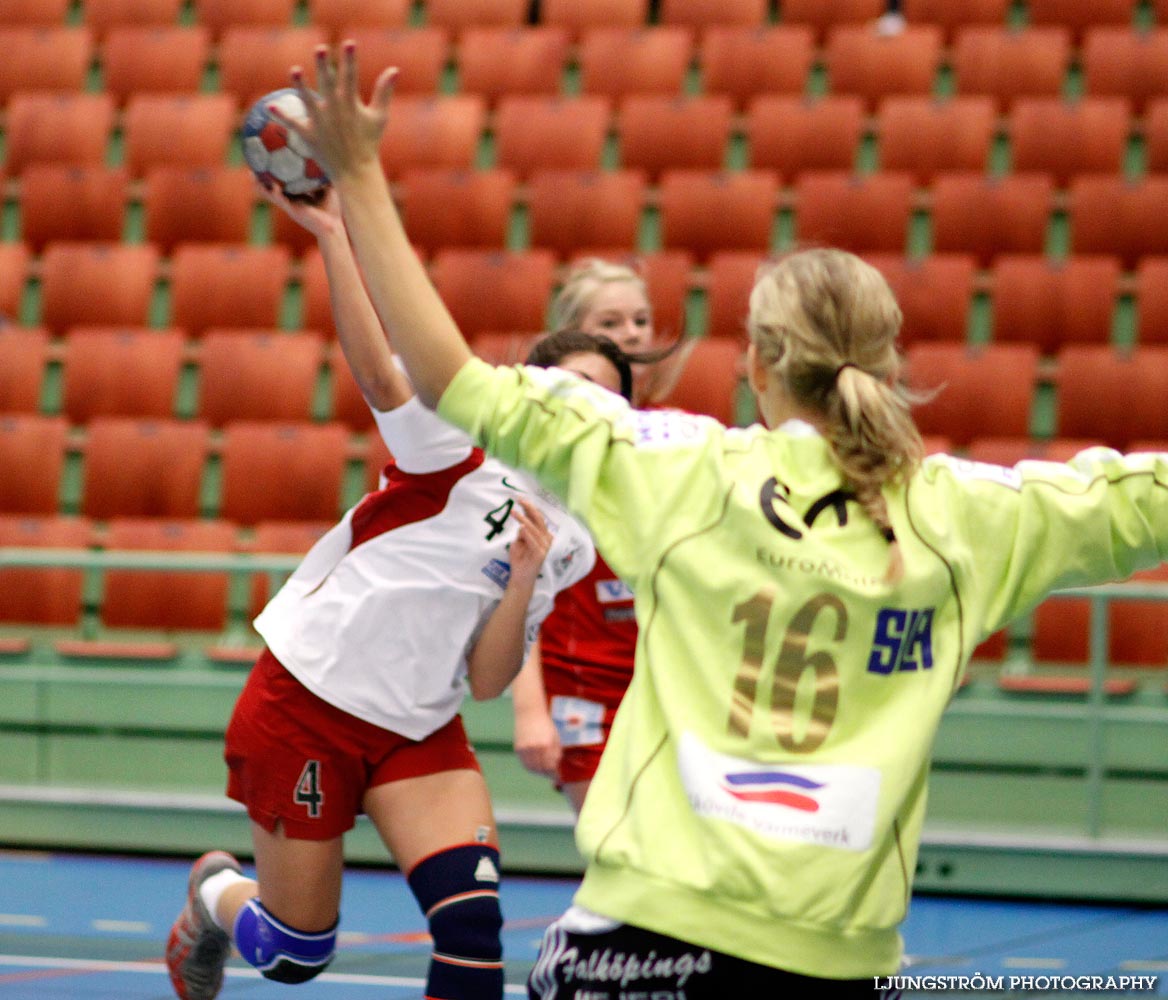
(763,790)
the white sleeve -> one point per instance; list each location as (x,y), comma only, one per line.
(420,440)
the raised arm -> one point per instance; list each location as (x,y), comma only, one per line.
(359,331)
(346,133)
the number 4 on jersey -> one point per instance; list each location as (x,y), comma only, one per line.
(308,792)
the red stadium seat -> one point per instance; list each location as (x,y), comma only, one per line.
(570,209)
(104,16)
(280,538)
(1009,451)
(674,133)
(710,380)
(550,133)
(1156,135)
(185,130)
(43,59)
(1006,64)
(504,348)
(204,204)
(433,132)
(579,16)
(794,134)
(420,54)
(1112,397)
(925,137)
(729,280)
(951,17)
(14,261)
(71,129)
(1111,215)
(446,208)
(1137,629)
(36,13)
(495,62)
(867,213)
(874,66)
(495,290)
(32,455)
(97,284)
(143,468)
(1122,62)
(121,372)
(935,294)
(257,376)
(703,211)
(987,216)
(255,60)
(26,354)
(743,63)
(227,285)
(1080,15)
(1151,296)
(705,15)
(218,16)
(823,17)
(1050,303)
(50,596)
(282,471)
(982,391)
(1067,138)
(339,18)
(616,62)
(154,60)
(165,599)
(60,202)
(457,16)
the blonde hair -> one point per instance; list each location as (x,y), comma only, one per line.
(574,298)
(825,322)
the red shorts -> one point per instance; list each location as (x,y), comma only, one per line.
(583,726)
(299,762)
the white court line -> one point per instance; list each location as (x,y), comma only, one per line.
(158,968)
(1034,963)
(121,926)
(22,920)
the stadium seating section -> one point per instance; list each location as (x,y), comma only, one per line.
(169,373)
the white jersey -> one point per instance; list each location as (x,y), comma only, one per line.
(381,615)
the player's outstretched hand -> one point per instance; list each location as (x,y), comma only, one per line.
(321,218)
(530,547)
(343,131)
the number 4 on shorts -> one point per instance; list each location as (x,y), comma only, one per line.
(308,793)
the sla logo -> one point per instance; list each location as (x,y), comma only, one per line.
(776,788)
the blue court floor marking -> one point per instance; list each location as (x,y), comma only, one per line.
(93,927)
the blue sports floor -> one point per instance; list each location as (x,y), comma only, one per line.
(79,927)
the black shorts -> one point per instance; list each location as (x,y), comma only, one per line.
(631,963)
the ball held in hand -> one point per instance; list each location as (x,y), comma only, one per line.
(280,157)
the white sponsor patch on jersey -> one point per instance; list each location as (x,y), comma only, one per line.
(613,591)
(829,805)
(578,721)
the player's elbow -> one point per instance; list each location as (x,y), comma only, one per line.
(484,689)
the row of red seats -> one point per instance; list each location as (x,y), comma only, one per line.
(651,134)
(1002,63)
(578,16)
(1032,299)
(157,599)
(269,470)
(1101,394)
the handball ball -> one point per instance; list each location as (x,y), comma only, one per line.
(278,156)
